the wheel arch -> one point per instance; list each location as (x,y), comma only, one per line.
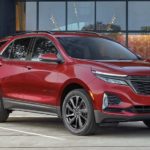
(69,86)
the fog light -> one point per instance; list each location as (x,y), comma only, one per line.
(109,100)
(105,101)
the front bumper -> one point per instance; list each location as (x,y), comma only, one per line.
(123,111)
(102,117)
(128,97)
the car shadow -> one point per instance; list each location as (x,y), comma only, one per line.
(44,123)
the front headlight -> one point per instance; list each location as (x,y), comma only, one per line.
(111,78)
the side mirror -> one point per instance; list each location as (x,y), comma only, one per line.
(50,58)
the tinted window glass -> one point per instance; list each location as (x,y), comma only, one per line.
(18,49)
(2,43)
(111,16)
(7,52)
(26,16)
(139,15)
(95,49)
(52,16)
(43,46)
(80,15)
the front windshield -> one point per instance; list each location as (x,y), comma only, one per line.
(94,48)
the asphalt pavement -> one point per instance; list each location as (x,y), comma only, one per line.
(28,131)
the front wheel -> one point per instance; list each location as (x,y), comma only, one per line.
(78,113)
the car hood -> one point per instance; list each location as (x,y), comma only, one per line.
(138,67)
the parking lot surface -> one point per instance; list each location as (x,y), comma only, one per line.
(42,132)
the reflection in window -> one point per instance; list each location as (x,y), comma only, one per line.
(43,46)
(95,49)
(52,16)
(18,49)
(119,37)
(80,15)
(7,52)
(139,16)
(2,43)
(111,16)
(140,43)
(26,16)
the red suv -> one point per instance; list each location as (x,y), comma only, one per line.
(82,77)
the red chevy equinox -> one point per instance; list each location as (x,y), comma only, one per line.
(83,77)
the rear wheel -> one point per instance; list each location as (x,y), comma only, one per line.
(78,114)
(3,113)
(147,123)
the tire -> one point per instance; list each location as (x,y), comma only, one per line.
(78,113)
(147,123)
(4,114)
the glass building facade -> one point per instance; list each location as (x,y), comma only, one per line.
(127,21)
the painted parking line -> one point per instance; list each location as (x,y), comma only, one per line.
(32,133)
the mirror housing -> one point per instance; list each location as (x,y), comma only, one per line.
(50,58)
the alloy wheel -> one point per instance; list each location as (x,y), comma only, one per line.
(76,112)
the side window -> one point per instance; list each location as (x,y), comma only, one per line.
(18,49)
(7,52)
(2,43)
(43,46)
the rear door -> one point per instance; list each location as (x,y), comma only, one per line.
(14,69)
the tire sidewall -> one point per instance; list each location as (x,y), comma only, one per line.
(83,94)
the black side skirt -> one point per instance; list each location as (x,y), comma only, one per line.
(11,104)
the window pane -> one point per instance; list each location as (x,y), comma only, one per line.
(140,43)
(80,15)
(26,16)
(139,16)
(2,43)
(31,15)
(43,46)
(118,37)
(20,49)
(52,16)
(95,49)
(7,52)
(111,16)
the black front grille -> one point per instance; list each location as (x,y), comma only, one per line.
(139,109)
(141,84)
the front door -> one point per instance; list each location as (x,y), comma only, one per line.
(42,76)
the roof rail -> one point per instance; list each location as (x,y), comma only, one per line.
(49,32)
(52,32)
(26,32)
(90,32)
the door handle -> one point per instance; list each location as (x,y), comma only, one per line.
(29,67)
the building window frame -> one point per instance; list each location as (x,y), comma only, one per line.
(126,31)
